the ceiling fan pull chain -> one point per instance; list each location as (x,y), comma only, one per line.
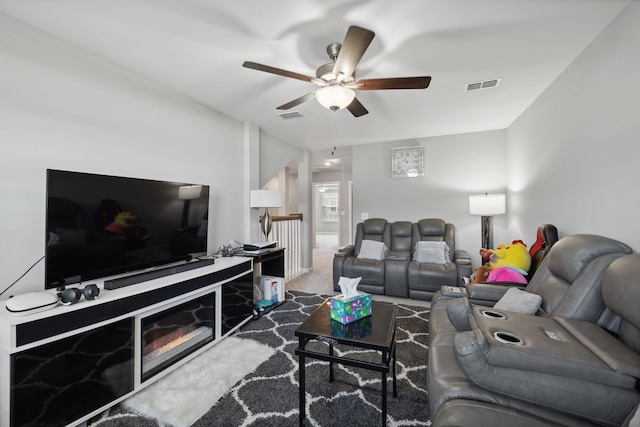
(333,131)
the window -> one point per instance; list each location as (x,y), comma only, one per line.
(329,206)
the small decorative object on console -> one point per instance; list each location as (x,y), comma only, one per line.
(226,251)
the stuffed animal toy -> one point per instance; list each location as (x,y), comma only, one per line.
(481,275)
(122,221)
(505,275)
(127,229)
(127,219)
(507,264)
(515,256)
(488,274)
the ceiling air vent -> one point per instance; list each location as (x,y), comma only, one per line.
(487,84)
(291,115)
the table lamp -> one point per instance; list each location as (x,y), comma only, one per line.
(487,205)
(266,199)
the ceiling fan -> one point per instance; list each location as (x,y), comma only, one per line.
(337,79)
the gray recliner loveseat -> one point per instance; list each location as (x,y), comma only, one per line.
(419,258)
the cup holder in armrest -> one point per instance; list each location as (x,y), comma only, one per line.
(507,338)
(493,314)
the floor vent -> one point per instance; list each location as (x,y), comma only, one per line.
(487,84)
(291,115)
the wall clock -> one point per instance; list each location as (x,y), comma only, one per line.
(407,162)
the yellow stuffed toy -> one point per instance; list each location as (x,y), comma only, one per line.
(126,227)
(514,256)
(126,219)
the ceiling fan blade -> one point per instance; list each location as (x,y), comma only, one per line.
(393,83)
(297,101)
(353,47)
(277,71)
(356,108)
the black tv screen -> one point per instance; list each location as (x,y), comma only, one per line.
(99,225)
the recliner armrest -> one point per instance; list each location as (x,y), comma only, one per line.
(462,259)
(453,291)
(345,251)
(339,259)
(486,291)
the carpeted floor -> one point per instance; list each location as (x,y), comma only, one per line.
(269,396)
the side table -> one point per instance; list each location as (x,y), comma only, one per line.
(381,338)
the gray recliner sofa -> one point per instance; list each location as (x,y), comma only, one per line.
(577,362)
(398,273)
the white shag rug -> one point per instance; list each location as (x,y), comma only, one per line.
(184,395)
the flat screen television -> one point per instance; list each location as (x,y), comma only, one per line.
(99,226)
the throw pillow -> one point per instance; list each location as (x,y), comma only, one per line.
(370,249)
(519,301)
(431,252)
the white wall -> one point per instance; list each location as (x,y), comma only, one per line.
(456,166)
(274,156)
(574,155)
(63,108)
(571,159)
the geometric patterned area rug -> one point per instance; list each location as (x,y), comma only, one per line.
(269,395)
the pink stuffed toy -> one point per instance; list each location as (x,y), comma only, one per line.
(506,274)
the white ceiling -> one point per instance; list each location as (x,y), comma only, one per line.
(197,47)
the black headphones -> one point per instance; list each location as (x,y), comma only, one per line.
(72,295)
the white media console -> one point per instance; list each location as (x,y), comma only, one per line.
(65,365)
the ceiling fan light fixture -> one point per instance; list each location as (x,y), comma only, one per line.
(335,97)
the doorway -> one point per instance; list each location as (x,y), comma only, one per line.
(326,210)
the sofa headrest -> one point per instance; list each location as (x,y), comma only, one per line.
(571,254)
(374,226)
(431,227)
(401,229)
(621,288)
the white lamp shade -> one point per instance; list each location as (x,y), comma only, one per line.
(335,97)
(188,192)
(266,199)
(487,204)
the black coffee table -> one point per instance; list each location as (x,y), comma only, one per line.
(375,332)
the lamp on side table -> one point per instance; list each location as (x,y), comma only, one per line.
(266,199)
(487,205)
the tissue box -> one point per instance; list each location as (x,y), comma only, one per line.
(347,310)
(354,330)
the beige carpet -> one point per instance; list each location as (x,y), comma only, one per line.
(320,279)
